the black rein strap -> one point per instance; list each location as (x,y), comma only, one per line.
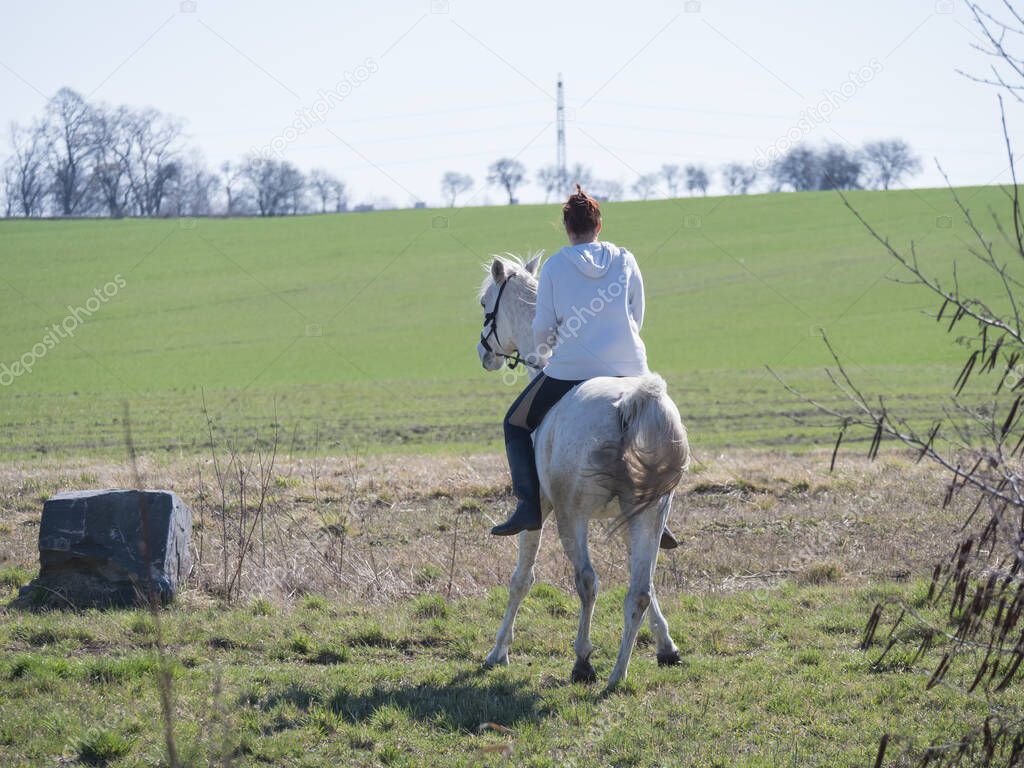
(491,329)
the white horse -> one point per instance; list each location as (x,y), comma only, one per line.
(608,439)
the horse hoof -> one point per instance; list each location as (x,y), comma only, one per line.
(669,659)
(583,672)
(501,661)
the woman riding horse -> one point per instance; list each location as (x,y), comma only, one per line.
(590,307)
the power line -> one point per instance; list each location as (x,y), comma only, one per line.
(788,116)
(395,116)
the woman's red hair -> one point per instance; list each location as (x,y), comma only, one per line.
(581,213)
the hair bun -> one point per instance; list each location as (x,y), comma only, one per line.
(581,213)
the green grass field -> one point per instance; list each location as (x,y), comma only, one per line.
(361,328)
(770,678)
(357,333)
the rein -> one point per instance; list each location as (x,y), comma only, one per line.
(491,320)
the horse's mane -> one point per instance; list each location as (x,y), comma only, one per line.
(514,265)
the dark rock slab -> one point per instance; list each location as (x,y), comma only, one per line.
(111,548)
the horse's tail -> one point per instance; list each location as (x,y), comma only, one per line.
(649,459)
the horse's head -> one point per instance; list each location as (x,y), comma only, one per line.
(508,298)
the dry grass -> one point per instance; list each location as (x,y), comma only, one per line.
(376,529)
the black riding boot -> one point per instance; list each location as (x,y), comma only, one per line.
(525,484)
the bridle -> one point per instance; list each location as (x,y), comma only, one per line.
(491,329)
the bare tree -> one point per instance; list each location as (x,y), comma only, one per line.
(193,189)
(328,189)
(339,196)
(232,179)
(9,178)
(578,174)
(83,159)
(296,197)
(551,180)
(276,184)
(645,185)
(838,168)
(607,189)
(320,184)
(672,174)
(71,143)
(696,178)
(970,626)
(888,162)
(738,178)
(979,588)
(799,169)
(26,170)
(153,158)
(454,184)
(113,144)
(1001,36)
(508,174)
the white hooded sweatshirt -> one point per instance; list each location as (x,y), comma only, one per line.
(590,307)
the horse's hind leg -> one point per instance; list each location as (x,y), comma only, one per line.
(667,651)
(519,585)
(644,535)
(574,541)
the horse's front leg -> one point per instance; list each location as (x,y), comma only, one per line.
(518,587)
(644,535)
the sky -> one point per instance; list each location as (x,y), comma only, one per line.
(390,95)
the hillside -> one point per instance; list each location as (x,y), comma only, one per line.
(357,332)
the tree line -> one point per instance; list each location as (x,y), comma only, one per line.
(876,165)
(83,159)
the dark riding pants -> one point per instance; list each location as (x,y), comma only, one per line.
(525,415)
(539,397)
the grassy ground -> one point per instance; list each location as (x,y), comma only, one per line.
(769,678)
(361,328)
(369,653)
(371,590)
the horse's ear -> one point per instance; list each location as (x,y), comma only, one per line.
(498,271)
(534,263)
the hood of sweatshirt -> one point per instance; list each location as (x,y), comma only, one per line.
(591,259)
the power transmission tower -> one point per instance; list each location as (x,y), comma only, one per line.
(563,173)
